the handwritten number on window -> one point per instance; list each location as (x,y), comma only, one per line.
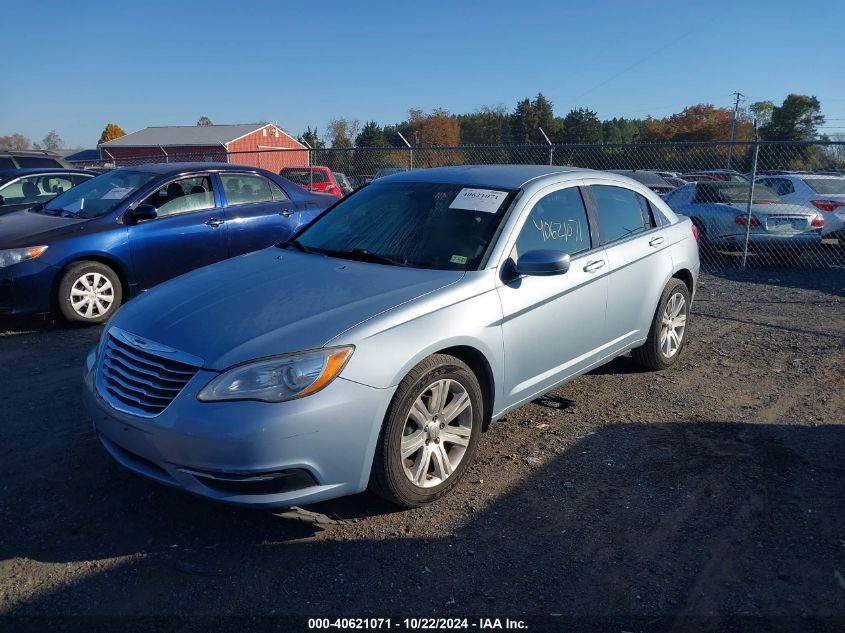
(559,230)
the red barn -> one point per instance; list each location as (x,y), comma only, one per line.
(256,144)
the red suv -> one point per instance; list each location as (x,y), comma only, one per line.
(314,178)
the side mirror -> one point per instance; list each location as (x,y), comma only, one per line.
(2,201)
(143,212)
(543,263)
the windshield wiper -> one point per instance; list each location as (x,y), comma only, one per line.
(363,253)
(297,245)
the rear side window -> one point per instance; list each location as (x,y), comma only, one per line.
(619,211)
(7,163)
(246,189)
(37,161)
(557,222)
(278,194)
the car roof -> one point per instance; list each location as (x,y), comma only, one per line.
(508,176)
(24,171)
(178,168)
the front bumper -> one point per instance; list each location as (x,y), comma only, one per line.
(25,287)
(247,453)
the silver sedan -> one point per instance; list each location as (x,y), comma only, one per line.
(373,347)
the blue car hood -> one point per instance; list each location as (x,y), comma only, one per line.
(271,302)
(28,228)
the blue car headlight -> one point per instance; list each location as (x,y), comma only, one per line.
(11,256)
(278,378)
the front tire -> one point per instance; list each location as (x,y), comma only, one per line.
(667,334)
(89,292)
(430,432)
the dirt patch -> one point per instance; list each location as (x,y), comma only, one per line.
(713,489)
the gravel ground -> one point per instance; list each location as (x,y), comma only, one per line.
(712,490)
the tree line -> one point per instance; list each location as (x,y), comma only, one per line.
(533,121)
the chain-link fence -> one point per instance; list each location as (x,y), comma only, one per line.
(754,203)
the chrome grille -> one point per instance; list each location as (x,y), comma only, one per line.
(139,376)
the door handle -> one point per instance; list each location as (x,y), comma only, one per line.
(594,265)
(656,241)
(286,213)
(214,223)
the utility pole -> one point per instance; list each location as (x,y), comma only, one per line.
(737,96)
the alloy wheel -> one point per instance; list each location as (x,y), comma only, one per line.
(436,433)
(673,325)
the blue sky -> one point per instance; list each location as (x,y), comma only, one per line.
(74,66)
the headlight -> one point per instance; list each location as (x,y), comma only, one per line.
(279,378)
(11,256)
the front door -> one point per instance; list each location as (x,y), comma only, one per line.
(553,326)
(188,233)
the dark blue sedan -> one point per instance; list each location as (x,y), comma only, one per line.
(91,248)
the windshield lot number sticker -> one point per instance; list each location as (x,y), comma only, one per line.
(458,259)
(117,193)
(485,200)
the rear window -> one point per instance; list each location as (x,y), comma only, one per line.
(304,176)
(827,186)
(732,192)
(37,161)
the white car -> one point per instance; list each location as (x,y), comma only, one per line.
(822,193)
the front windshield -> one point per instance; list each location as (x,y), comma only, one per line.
(423,225)
(100,195)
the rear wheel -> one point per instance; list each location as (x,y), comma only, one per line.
(89,292)
(430,432)
(667,334)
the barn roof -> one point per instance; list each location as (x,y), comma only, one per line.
(188,135)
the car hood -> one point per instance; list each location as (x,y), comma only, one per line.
(271,302)
(28,228)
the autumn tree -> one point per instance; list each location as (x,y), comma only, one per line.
(15,141)
(111,132)
(761,111)
(203,121)
(438,128)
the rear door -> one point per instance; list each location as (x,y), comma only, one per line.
(639,261)
(553,327)
(258,212)
(187,234)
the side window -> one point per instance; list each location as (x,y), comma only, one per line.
(246,189)
(33,189)
(619,211)
(183,196)
(278,194)
(647,212)
(782,186)
(79,179)
(558,221)
(7,163)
